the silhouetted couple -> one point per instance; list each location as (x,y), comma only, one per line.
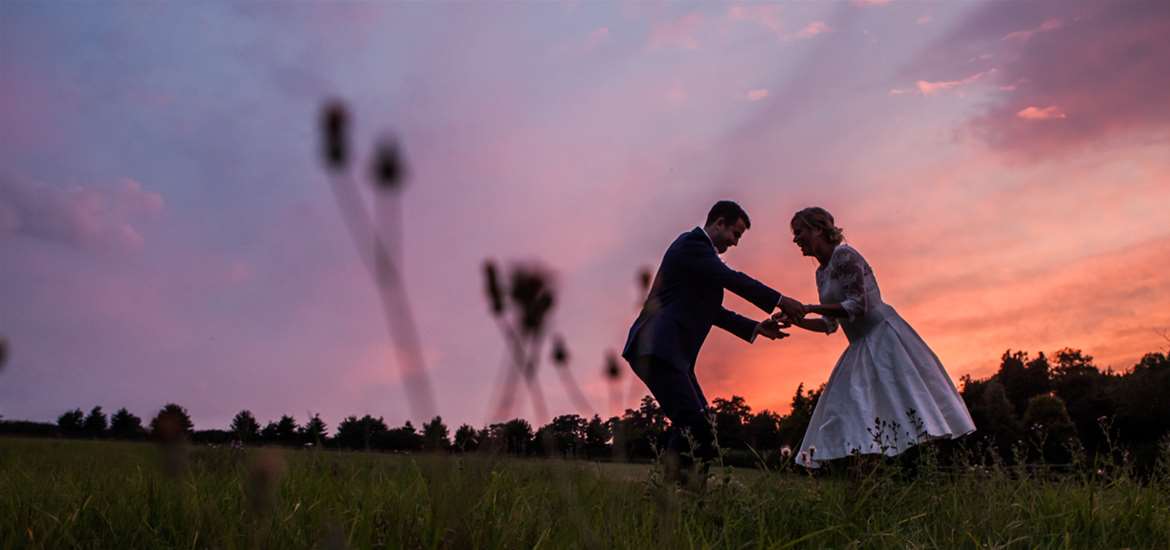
(887,374)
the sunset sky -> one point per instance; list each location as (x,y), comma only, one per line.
(167,231)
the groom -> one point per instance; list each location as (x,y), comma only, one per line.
(685,299)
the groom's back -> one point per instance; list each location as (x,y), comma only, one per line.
(675,317)
(679,285)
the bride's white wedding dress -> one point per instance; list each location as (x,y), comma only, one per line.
(888,390)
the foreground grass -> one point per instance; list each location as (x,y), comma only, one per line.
(63,494)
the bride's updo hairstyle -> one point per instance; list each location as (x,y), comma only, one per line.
(815,217)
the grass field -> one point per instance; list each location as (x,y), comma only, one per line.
(88,494)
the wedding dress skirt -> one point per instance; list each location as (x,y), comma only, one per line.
(887,392)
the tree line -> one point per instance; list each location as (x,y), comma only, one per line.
(1033,408)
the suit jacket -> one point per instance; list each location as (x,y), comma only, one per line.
(686,298)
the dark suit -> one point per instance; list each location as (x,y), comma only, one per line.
(685,300)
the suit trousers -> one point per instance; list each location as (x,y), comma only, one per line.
(682,401)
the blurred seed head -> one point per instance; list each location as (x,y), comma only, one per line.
(494,292)
(612,370)
(533,295)
(264,474)
(3,351)
(389,169)
(560,353)
(334,134)
(645,277)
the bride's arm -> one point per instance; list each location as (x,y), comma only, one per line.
(827,310)
(814,324)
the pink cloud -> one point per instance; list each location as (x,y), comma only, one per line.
(1037,113)
(923,20)
(757,94)
(813,29)
(99,217)
(1104,61)
(767,16)
(1046,26)
(929,88)
(597,38)
(677,33)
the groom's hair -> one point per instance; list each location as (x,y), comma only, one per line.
(730,212)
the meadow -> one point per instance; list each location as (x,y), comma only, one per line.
(100,494)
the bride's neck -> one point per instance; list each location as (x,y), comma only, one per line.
(823,254)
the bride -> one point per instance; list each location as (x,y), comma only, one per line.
(888,390)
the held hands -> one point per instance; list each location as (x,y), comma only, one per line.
(791,313)
(786,320)
(791,309)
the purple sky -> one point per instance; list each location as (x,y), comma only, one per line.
(167,231)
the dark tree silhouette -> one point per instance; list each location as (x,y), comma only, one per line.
(597,437)
(1129,405)
(406,438)
(245,427)
(793,426)
(995,417)
(466,438)
(172,423)
(1022,377)
(1050,429)
(514,436)
(268,432)
(436,436)
(286,430)
(566,434)
(731,420)
(1034,408)
(125,425)
(638,431)
(355,433)
(95,424)
(1085,392)
(315,431)
(71,422)
(1143,408)
(763,431)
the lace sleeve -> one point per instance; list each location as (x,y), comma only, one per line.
(847,268)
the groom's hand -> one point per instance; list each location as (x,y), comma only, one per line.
(770,328)
(793,310)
